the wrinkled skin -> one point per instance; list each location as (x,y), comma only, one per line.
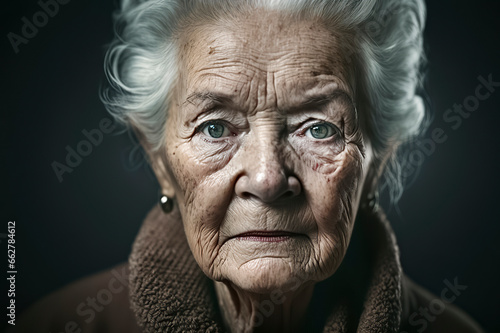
(265,82)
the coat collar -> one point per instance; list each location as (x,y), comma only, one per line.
(168,291)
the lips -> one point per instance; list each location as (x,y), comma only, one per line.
(266,236)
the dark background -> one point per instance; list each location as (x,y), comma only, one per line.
(446,223)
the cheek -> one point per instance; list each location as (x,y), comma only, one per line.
(195,175)
(322,158)
(333,199)
(336,193)
(202,197)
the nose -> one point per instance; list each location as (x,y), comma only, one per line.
(265,177)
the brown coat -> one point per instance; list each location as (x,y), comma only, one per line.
(161,289)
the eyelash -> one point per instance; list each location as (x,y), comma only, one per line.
(310,123)
(200,129)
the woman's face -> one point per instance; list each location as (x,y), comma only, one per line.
(263,152)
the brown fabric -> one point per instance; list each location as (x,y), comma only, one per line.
(169,292)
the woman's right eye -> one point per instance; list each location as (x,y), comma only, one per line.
(215,130)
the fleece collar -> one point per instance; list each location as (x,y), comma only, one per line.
(169,292)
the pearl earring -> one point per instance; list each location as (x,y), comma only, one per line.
(167,204)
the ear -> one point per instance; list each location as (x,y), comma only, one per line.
(159,164)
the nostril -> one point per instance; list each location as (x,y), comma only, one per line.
(246,195)
(268,186)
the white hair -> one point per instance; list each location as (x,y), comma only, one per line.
(142,64)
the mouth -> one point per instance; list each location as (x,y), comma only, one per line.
(266,236)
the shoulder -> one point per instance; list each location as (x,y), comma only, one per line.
(429,313)
(98,303)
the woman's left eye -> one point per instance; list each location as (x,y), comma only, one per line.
(215,130)
(321,131)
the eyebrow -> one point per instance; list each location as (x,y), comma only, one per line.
(208,97)
(321,99)
(316,100)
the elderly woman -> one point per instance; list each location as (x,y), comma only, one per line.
(268,125)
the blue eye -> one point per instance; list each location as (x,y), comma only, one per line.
(215,130)
(320,131)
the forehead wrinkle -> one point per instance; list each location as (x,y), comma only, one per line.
(223,57)
(306,93)
(266,93)
(291,55)
(233,68)
(259,45)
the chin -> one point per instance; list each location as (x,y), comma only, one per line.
(267,275)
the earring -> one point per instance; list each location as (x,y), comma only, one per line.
(167,204)
(372,201)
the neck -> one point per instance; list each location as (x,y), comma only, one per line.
(274,312)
